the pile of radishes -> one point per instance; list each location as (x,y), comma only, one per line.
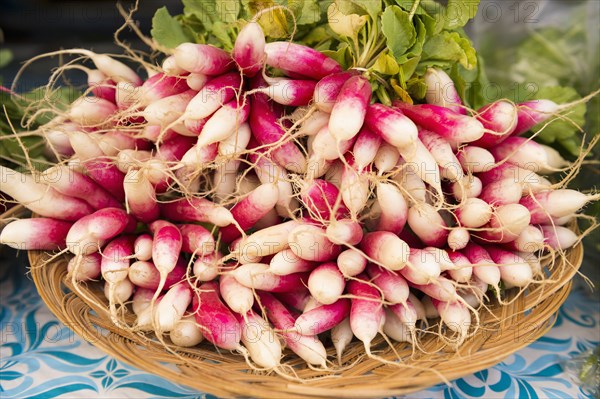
(258,212)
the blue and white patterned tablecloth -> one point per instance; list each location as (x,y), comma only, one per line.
(42,358)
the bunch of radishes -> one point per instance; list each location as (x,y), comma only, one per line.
(226,204)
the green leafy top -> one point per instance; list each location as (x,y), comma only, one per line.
(394,41)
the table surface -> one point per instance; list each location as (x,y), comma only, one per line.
(42,358)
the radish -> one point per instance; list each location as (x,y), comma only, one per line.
(84,268)
(290,92)
(458,238)
(238,297)
(424,165)
(42,234)
(393,286)
(341,336)
(267,241)
(355,190)
(165,249)
(250,210)
(206,267)
(40,198)
(386,158)
(506,224)
(328,89)
(530,240)
(326,284)
(522,152)
(172,307)
(530,180)
(309,348)
(258,277)
(236,143)
(167,110)
(269,172)
(104,172)
(555,204)
(161,86)
(455,315)
(67,181)
(411,184)
(423,267)
(442,152)
(500,118)
(484,266)
(219,326)
(473,213)
(394,209)
(140,196)
(91,232)
(101,86)
(463,269)
(475,159)
(186,332)
(202,58)
(260,340)
(555,160)
(395,328)
(310,243)
(441,289)
(249,49)
(558,237)
(213,95)
(454,127)
(91,111)
(365,148)
(325,146)
(121,292)
(366,314)
(502,192)
(287,262)
(145,275)
(386,249)
(322,318)
(264,122)
(344,232)
(530,113)
(425,221)
(196,239)
(350,108)
(297,299)
(224,122)
(170,67)
(351,263)
(115,260)
(468,187)
(143,247)
(514,270)
(196,81)
(321,199)
(313,123)
(441,91)
(391,125)
(300,59)
(196,210)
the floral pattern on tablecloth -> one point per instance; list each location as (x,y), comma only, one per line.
(42,358)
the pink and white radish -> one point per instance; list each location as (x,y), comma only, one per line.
(441,91)
(391,125)
(322,318)
(145,275)
(249,49)
(555,204)
(299,59)
(366,313)
(43,234)
(500,119)
(258,277)
(344,232)
(427,223)
(287,262)
(392,285)
(350,108)
(310,242)
(202,58)
(85,268)
(351,263)
(91,232)
(326,283)
(386,249)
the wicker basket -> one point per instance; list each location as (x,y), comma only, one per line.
(503,330)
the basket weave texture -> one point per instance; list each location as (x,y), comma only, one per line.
(504,329)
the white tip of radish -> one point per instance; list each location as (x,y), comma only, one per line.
(186,332)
